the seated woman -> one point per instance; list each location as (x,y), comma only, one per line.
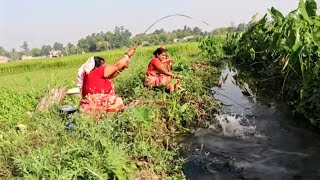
(94,81)
(160,73)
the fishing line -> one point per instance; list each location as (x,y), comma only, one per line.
(169,16)
(173,15)
(227,97)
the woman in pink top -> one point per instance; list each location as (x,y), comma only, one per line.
(159,71)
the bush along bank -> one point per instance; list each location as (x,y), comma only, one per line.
(138,143)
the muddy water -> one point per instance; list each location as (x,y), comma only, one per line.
(256,137)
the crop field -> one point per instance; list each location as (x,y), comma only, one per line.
(138,143)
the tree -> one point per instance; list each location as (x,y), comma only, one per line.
(197,31)
(58,46)
(45,50)
(70,49)
(120,38)
(25,47)
(159,31)
(83,44)
(102,45)
(241,27)
(14,55)
(3,52)
(35,52)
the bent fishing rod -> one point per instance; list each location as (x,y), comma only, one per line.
(170,16)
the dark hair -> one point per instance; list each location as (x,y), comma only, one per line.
(159,51)
(98,61)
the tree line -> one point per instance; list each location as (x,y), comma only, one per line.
(118,38)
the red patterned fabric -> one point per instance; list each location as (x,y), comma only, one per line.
(156,78)
(98,94)
(96,83)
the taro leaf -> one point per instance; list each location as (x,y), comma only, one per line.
(316,37)
(283,44)
(308,10)
(292,14)
(303,11)
(292,42)
(297,43)
(276,14)
(316,22)
(311,7)
(295,56)
(291,38)
(252,53)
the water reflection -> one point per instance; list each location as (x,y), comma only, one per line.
(256,137)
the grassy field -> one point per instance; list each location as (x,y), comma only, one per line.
(138,143)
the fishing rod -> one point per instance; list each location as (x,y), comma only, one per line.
(169,16)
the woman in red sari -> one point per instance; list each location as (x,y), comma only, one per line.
(160,73)
(98,94)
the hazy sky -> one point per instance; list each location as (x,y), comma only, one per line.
(46,21)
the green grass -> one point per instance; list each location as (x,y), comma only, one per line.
(136,143)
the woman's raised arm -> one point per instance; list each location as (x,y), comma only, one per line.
(113,70)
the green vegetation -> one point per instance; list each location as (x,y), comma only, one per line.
(138,143)
(101,41)
(285,50)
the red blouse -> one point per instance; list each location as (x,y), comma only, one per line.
(96,83)
(155,62)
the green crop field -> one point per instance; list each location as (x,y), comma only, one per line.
(136,143)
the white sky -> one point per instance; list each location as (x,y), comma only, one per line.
(42,22)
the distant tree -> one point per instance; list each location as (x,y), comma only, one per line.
(70,49)
(45,50)
(35,52)
(102,45)
(241,27)
(224,30)
(3,52)
(58,46)
(139,38)
(197,31)
(181,33)
(155,39)
(159,31)
(165,38)
(14,55)
(83,44)
(120,38)
(25,47)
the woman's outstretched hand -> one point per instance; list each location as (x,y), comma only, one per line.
(131,52)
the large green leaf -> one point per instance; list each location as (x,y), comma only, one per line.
(297,42)
(277,15)
(316,22)
(303,11)
(311,8)
(308,10)
(316,36)
(291,38)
